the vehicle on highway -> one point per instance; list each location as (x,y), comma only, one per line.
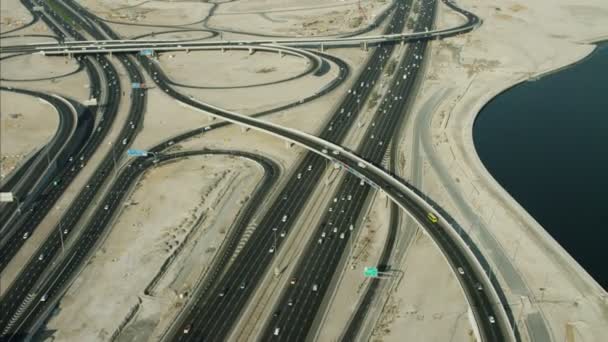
(342,236)
(106,207)
(276,313)
(315,287)
(293,281)
(309,167)
(43,298)
(479,287)
(187,328)
(65,231)
(25,235)
(277,331)
(492,320)
(242,287)
(223,293)
(290,302)
(271,250)
(361,165)
(299,175)
(323,234)
(432,217)
(335,229)
(40,257)
(460,270)
(320,241)
(124,141)
(284,219)
(283,234)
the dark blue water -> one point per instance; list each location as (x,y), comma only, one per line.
(546,143)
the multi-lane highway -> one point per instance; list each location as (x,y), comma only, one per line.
(104,77)
(70,135)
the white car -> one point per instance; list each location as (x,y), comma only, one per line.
(277,331)
(460,270)
(492,320)
(342,236)
(106,207)
(44,297)
(40,257)
(271,250)
(26,235)
(284,219)
(315,287)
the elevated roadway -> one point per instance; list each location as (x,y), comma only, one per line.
(109,46)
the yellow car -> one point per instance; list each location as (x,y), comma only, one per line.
(432,217)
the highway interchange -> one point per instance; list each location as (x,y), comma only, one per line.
(218,303)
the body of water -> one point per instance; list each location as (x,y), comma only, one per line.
(546,143)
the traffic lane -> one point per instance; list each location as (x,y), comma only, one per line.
(256,253)
(41,163)
(318,264)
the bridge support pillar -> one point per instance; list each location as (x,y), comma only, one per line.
(364,46)
(322,48)
(288,144)
(402,42)
(251,51)
(187,50)
(280,53)
(223,50)
(244,129)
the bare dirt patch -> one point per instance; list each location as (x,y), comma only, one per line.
(26,124)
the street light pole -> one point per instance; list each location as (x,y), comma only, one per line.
(61,237)
(114,158)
